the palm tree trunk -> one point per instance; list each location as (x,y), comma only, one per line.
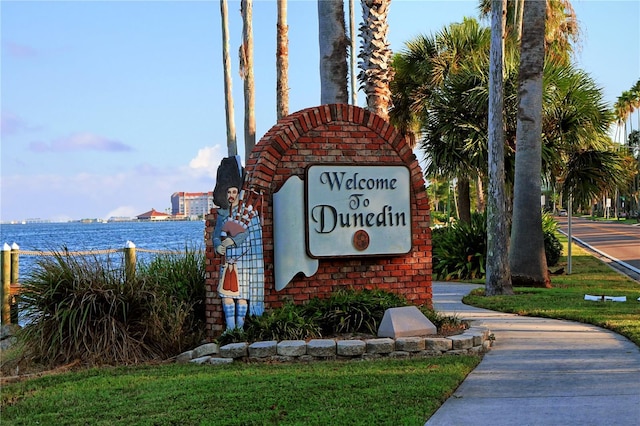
(481,202)
(282,62)
(376,71)
(353,51)
(527,257)
(232,145)
(246,67)
(333,52)
(498,275)
(463,204)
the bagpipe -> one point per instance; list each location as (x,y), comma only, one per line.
(241,216)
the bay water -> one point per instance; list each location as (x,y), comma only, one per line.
(166,236)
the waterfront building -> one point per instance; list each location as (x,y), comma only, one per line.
(153,215)
(190,204)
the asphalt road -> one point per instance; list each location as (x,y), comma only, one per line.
(619,241)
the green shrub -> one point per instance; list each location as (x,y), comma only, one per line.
(351,311)
(286,323)
(345,311)
(552,245)
(460,250)
(86,308)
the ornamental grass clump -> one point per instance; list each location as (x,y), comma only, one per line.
(86,308)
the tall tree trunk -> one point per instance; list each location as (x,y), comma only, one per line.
(376,71)
(498,275)
(463,206)
(232,144)
(333,52)
(481,202)
(246,70)
(527,258)
(282,62)
(353,53)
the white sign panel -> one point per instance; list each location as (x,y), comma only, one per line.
(358,210)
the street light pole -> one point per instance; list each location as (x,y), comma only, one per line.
(569,214)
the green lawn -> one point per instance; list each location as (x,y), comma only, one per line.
(384,392)
(405,392)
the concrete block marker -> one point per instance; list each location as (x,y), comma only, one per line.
(405,321)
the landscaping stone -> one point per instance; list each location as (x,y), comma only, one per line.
(476,340)
(438,344)
(461,341)
(380,346)
(263,349)
(399,354)
(405,321)
(206,349)
(351,347)
(292,348)
(184,357)
(218,361)
(410,344)
(201,360)
(321,347)
(234,350)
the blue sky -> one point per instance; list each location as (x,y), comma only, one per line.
(108,107)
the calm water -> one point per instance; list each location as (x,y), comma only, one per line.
(169,236)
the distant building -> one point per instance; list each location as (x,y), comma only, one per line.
(190,204)
(153,215)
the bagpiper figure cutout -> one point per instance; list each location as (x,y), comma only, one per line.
(238,238)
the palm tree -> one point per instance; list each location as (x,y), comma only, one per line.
(333,52)
(561,32)
(246,71)
(376,73)
(282,62)
(232,145)
(435,77)
(526,253)
(498,274)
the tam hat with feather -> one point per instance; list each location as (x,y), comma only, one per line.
(230,174)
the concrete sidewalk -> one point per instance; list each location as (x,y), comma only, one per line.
(542,372)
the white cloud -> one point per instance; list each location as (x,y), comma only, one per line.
(83,141)
(91,195)
(207,160)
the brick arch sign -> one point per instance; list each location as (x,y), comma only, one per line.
(339,153)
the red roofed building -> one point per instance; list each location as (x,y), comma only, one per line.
(153,215)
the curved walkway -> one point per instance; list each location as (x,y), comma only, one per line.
(542,372)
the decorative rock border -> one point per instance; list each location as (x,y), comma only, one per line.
(475,340)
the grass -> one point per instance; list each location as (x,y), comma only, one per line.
(566,299)
(381,392)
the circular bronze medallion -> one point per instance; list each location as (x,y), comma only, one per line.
(361,240)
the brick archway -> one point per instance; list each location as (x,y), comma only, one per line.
(341,134)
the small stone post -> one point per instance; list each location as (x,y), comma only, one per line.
(130,260)
(6,284)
